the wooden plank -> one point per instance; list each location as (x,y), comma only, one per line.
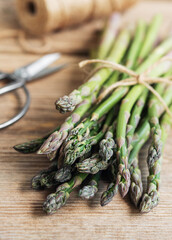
(21,214)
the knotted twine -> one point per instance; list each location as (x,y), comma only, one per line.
(135,78)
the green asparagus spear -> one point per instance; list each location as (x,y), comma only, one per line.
(131,55)
(68,103)
(45,178)
(107,145)
(136,188)
(135,118)
(34,145)
(63,174)
(112,188)
(155,149)
(151,197)
(101,160)
(85,146)
(151,36)
(134,50)
(89,190)
(59,198)
(92,165)
(56,139)
(108,36)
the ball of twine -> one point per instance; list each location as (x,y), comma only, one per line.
(42,16)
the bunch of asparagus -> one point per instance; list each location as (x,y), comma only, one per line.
(105,137)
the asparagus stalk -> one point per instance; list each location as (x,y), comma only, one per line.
(86,130)
(34,145)
(151,36)
(136,45)
(112,188)
(59,198)
(83,147)
(107,145)
(92,165)
(155,149)
(45,178)
(100,161)
(136,188)
(131,55)
(63,174)
(51,177)
(109,34)
(68,103)
(56,139)
(135,118)
(151,197)
(89,190)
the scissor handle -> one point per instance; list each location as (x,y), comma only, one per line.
(21,113)
(16,83)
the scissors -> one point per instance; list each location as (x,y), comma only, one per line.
(22,75)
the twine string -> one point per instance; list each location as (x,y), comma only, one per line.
(135,78)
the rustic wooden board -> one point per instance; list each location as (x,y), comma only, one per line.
(21,215)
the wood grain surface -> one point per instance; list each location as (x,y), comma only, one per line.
(21,215)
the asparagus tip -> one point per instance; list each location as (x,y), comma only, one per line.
(35,183)
(63,174)
(124,183)
(54,202)
(106,148)
(149,201)
(28,147)
(88,192)
(108,195)
(135,193)
(105,199)
(65,104)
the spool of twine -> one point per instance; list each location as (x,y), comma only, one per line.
(42,16)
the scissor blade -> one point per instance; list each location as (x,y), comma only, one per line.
(49,71)
(29,71)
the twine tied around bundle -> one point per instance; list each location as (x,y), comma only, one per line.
(135,78)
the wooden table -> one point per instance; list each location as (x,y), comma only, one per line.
(21,215)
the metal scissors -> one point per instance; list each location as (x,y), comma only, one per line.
(21,76)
